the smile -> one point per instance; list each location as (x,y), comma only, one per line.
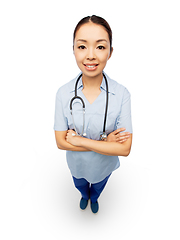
(91,67)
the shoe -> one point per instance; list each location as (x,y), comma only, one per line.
(95,207)
(83,203)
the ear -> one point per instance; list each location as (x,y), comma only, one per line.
(73,49)
(110,53)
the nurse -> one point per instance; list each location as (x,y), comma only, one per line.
(91,161)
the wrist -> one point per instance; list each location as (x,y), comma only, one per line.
(82,141)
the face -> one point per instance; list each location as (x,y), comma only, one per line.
(92,49)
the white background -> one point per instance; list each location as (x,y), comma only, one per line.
(37,196)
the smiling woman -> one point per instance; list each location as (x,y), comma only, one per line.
(90,160)
(92,49)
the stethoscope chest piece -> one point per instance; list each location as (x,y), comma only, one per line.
(103,136)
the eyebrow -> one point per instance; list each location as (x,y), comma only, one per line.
(83,40)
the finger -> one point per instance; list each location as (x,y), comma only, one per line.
(71,131)
(119,130)
(124,134)
(123,138)
(122,141)
(118,139)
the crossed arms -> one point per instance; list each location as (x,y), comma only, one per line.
(117,144)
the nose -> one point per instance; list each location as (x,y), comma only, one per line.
(91,54)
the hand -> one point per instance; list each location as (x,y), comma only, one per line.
(74,140)
(117,136)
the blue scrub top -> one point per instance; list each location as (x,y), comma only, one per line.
(92,166)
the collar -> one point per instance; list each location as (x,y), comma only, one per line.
(103,84)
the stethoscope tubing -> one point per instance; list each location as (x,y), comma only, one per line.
(107,99)
(76,97)
(83,105)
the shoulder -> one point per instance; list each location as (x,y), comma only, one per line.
(117,88)
(67,87)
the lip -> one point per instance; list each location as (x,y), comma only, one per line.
(91,68)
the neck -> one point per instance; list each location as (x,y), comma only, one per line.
(92,82)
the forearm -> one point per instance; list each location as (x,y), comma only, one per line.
(64,145)
(69,147)
(102,147)
(106,148)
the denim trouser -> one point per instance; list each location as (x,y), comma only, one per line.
(88,190)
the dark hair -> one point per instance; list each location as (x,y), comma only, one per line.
(97,20)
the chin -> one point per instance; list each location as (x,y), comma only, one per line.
(92,75)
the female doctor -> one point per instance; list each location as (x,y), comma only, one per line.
(90,160)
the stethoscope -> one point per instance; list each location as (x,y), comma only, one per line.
(103,136)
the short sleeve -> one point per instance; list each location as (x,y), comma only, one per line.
(124,118)
(60,121)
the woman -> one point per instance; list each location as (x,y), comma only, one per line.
(90,160)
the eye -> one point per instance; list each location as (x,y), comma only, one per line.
(82,47)
(101,47)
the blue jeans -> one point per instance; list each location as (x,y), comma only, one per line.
(88,190)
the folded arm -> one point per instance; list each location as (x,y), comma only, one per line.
(64,145)
(102,147)
(108,148)
(118,143)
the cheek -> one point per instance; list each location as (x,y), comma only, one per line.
(79,57)
(104,57)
